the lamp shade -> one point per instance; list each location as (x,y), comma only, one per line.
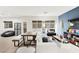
(71,24)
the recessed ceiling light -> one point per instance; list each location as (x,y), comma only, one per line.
(45,12)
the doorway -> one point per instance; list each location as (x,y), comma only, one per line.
(24,27)
(17,28)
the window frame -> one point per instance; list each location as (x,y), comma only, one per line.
(48,24)
(36,24)
(8,24)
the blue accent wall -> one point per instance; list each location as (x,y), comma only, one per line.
(72,14)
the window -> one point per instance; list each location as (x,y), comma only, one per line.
(36,24)
(8,24)
(49,24)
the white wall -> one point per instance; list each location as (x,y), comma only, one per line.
(60,27)
(27,19)
(13,19)
(60,30)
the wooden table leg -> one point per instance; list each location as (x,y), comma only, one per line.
(15,43)
(23,40)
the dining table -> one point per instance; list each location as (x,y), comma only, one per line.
(28,34)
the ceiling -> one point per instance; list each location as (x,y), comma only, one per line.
(34,10)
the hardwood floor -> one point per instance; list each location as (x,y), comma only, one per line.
(6,45)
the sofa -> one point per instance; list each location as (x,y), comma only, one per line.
(8,33)
(51,33)
(46,47)
(53,46)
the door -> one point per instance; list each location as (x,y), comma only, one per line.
(17,28)
(24,27)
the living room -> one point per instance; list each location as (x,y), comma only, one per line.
(35,19)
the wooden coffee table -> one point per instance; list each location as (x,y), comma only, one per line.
(57,38)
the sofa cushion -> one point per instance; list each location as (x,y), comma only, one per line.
(51,33)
